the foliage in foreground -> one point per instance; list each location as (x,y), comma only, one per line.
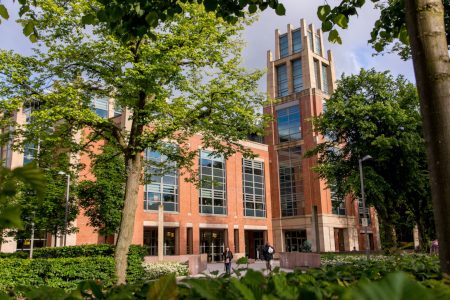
(253,285)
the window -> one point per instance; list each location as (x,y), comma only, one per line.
(289,128)
(338,204)
(291,182)
(39,241)
(284,46)
(361,213)
(297,41)
(100,107)
(315,74)
(324,79)
(151,241)
(212,198)
(294,240)
(256,138)
(310,40)
(297,75)
(117,110)
(253,186)
(162,190)
(282,83)
(30,152)
(317,45)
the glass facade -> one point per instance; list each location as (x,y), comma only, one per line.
(162,190)
(253,186)
(291,182)
(100,107)
(297,41)
(297,75)
(29,153)
(117,110)
(40,241)
(151,241)
(317,45)
(294,240)
(316,77)
(289,128)
(212,198)
(338,204)
(282,83)
(310,40)
(284,46)
(324,80)
(212,243)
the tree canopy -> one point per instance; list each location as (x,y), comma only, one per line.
(188,81)
(374,114)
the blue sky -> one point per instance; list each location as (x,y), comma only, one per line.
(353,54)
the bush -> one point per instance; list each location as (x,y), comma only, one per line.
(18,254)
(63,273)
(135,271)
(157,270)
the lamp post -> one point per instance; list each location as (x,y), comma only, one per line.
(364,202)
(67,205)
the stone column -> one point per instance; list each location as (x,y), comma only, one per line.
(416,237)
(315,237)
(160,232)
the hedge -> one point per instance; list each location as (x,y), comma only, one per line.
(63,273)
(18,254)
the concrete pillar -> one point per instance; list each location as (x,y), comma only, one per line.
(277,44)
(289,34)
(416,237)
(177,242)
(322,50)
(160,232)
(290,78)
(315,237)
(271,75)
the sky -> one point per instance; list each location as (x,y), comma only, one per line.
(354,53)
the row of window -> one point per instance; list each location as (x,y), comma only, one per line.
(100,106)
(297,77)
(297,43)
(212,197)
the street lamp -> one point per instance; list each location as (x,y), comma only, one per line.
(67,205)
(364,202)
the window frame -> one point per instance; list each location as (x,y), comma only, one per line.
(284,46)
(285,118)
(299,77)
(290,180)
(281,92)
(296,40)
(252,197)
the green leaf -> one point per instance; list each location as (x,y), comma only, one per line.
(210,5)
(164,289)
(22,10)
(323,11)
(280,10)
(244,290)
(360,3)
(33,176)
(341,20)
(88,19)
(404,37)
(33,38)
(102,16)
(252,8)
(152,19)
(29,28)
(116,13)
(327,26)
(242,3)
(332,37)
(378,47)
(10,217)
(4,12)
(338,40)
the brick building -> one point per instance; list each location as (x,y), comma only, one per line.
(274,197)
(301,77)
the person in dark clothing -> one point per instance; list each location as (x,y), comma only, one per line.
(227,256)
(268,253)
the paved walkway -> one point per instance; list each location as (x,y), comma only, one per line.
(257,266)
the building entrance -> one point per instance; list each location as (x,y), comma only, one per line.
(294,240)
(254,243)
(212,243)
(151,240)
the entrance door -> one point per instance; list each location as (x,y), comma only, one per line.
(258,248)
(212,243)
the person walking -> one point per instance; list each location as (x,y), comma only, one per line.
(268,253)
(227,256)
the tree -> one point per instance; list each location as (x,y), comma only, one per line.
(374,114)
(188,81)
(102,198)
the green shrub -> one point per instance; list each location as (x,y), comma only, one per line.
(64,273)
(159,269)
(135,271)
(18,254)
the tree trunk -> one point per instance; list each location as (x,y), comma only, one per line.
(426,30)
(422,236)
(125,236)
(389,235)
